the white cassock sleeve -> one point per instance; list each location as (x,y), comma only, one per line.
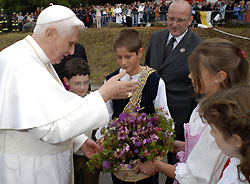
(109,105)
(91,114)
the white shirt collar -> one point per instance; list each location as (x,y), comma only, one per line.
(126,77)
(178,39)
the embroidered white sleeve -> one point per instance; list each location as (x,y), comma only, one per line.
(183,174)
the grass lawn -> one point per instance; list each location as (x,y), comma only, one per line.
(99,45)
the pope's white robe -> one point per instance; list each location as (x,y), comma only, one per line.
(39,118)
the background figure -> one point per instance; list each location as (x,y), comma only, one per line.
(20,21)
(98,17)
(227,112)
(173,66)
(3,21)
(129,17)
(135,12)
(78,53)
(77,77)
(14,24)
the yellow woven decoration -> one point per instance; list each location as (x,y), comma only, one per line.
(135,100)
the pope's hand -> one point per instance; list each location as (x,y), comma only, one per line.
(115,89)
(89,148)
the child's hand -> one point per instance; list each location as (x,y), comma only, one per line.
(147,168)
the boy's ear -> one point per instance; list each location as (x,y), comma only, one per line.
(221,76)
(66,80)
(237,140)
(140,53)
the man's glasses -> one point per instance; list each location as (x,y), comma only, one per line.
(178,20)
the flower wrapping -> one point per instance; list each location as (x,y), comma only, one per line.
(131,137)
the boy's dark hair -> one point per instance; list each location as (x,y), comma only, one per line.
(128,38)
(76,66)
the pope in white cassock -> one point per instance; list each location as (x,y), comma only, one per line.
(39,119)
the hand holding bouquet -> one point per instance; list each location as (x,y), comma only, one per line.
(131,137)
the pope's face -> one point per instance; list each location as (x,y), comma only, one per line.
(64,45)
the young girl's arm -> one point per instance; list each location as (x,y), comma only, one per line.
(179,146)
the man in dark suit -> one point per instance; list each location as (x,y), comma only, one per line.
(173,65)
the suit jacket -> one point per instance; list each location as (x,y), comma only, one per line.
(174,71)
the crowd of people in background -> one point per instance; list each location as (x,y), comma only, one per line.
(141,14)
(138,13)
(135,14)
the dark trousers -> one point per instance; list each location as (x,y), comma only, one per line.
(82,175)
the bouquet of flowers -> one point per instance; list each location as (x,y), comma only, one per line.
(131,137)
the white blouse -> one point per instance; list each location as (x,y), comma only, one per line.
(230,174)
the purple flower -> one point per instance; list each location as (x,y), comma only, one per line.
(149,124)
(138,144)
(152,119)
(139,118)
(136,151)
(105,165)
(156,118)
(122,116)
(144,114)
(123,133)
(149,141)
(142,156)
(126,147)
(112,124)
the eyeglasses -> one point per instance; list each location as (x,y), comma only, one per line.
(178,20)
(85,83)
